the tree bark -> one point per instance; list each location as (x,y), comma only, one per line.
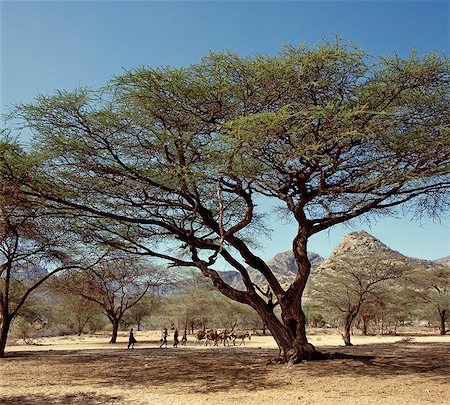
(442,316)
(365,322)
(346,334)
(350,317)
(115,324)
(290,334)
(4,329)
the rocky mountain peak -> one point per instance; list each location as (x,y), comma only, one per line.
(361,242)
(284,263)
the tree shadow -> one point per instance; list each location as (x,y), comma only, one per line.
(191,371)
(80,398)
(384,360)
(210,370)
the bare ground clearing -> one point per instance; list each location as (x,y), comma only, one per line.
(88,371)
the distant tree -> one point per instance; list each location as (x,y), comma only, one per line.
(231,315)
(316,315)
(143,309)
(116,284)
(431,287)
(191,306)
(349,283)
(181,157)
(74,311)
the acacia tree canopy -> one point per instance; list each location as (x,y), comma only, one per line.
(176,157)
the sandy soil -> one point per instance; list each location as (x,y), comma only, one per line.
(88,370)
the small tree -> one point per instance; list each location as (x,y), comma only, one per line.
(142,309)
(348,283)
(116,284)
(75,311)
(431,286)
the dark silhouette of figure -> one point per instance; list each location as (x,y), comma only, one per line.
(131,340)
(184,338)
(163,338)
(175,338)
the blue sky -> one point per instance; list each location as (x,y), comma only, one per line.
(62,45)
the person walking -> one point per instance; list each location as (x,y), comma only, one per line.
(175,338)
(163,338)
(184,338)
(131,340)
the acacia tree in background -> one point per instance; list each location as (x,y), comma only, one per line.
(431,286)
(76,313)
(178,158)
(116,284)
(347,284)
(197,304)
(142,309)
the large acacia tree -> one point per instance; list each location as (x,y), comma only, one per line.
(172,161)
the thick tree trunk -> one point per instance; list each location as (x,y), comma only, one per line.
(295,322)
(4,329)
(290,334)
(115,324)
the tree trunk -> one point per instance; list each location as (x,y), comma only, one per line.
(442,316)
(350,317)
(346,334)
(4,329)
(138,324)
(81,324)
(290,334)
(365,322)
(115,324)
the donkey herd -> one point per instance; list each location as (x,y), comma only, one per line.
(214,338)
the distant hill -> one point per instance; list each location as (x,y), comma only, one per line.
(444,261)
(362,243)
(356,243)
(282,264)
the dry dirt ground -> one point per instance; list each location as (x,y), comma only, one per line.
(88,371)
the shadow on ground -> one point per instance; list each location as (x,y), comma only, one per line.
(79,399)
(186,371)
(390,359)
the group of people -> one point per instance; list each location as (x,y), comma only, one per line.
(132,340)
(164,335)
